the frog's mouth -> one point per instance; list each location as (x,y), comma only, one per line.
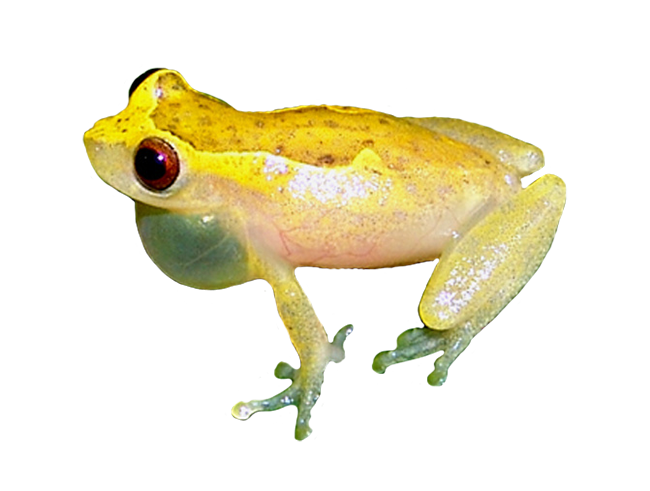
(197,250)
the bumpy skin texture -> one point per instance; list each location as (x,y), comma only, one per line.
(259,194)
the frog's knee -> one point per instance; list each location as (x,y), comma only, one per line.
(431,318)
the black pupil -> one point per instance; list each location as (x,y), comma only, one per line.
(150,164)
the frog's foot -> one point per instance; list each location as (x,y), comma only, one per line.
(337,354)
(302,393)
(305,388)
(419,342)
(286,369)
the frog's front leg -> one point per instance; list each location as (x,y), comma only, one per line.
(315,352)
(479,274)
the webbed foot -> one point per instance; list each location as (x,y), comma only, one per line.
(305,388)
(422,341)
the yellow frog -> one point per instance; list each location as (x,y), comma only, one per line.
(223,197)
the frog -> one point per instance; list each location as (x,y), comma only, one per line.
(223,197)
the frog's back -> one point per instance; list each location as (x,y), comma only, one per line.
(320,136)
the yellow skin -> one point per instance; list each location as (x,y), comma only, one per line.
(259,194)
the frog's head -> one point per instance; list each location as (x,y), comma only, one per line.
(140,153)
(178,190)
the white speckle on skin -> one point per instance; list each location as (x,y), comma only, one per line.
(534,157)
(159,93)
(333,185)
(445,297)
(274,166)
(508,179)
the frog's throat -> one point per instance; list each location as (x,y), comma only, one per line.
(196,250)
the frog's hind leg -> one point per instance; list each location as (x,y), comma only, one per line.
(479,274)
(523,158)
(315,352)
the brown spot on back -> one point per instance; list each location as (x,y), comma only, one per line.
(325,160)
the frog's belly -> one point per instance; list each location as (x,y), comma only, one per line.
(337,239)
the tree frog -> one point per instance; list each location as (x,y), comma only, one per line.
(223,197)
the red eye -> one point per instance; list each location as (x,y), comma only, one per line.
(156,164)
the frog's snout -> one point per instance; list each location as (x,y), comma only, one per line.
(95,134)
(97,139)
(93,143)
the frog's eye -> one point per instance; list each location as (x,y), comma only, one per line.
(156,164)
(136,83)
